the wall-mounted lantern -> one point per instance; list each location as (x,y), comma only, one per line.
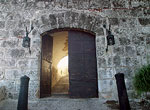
(110,38)
(26,39)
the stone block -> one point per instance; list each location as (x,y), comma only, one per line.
(17,33)
(117,61)
(1,53)
(119,50)
(113,21)
(4,34)
(101,62)
(109,61)
(15,53)
(123,61)
(100,50)
(23,23)
(119,3)
(45,20)
(11,43)
(130,51)
(2,93)
(2,24)
(81,21)
(105,95)
(138,40)
(12,74)
(124,41)
(145,30)
(127,71)
(144,21)
(89,22)
(25,63)
(137,12)
(33,75)
(148,40)
(7,62)
(106,73)
(128,22)
(105,85)
(99,31)
(53,20)
(60,18)
(11,24)
(40,4)
(146,12)
(140,50)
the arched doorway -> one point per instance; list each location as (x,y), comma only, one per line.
(82,68)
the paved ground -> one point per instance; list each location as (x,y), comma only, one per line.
(58,104)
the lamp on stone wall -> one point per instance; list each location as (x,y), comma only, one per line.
(26,39)
(110,37)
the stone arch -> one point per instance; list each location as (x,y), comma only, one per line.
(71,19)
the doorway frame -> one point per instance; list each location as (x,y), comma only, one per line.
(60,30)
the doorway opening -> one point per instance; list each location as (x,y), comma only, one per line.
(60,75)
(68,64)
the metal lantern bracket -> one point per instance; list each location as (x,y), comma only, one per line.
(26,39)
(109,37)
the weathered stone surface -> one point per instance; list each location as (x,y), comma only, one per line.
(2,24)
(144,21)
(130,26)
(18,33)
(101,62)
(10,43)
(1,74)
(17,53)
(119,3)
(60,18)
(53,20)
(11,24)
(130,51)
(105,73)
(138,40)
(2,93)
(141,50)
(124,41)
(119,50)
(113,21)
(12,74)
(148,40)
(4,34)
(7,62)
(116,60)
(128,22)
(106,85)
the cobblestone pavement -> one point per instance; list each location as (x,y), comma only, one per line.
(58,104)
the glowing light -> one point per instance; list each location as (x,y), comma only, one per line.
(63,62)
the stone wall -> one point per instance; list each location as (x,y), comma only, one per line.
(130,24)
(2,93)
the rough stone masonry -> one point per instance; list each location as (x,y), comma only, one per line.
(130,24)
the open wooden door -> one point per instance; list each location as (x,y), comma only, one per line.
(82,65)
(45,78)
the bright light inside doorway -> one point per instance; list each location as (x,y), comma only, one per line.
(63,66)
(63,62)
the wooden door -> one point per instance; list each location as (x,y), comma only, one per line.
(82,65)
(45,78)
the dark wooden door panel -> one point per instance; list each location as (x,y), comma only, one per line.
(46,57)
(82,65)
